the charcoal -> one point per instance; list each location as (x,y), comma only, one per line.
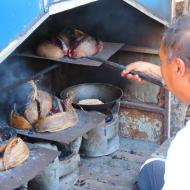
(6,133)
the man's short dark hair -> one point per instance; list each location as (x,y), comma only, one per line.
(176,40)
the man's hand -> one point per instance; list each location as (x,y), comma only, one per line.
(142,67)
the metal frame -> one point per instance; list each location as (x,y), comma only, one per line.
(52,9)
(147,12)
(66,5)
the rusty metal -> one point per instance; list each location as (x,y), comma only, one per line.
(144,125)
(38,160)
(143,107)
(108,50)
(87,121)
(167,119)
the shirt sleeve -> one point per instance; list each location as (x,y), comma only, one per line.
(177,170)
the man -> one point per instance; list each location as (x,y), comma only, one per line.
(172,174)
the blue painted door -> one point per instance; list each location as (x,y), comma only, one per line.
(16,16)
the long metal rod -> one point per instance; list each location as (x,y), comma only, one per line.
(121,67)
(22,81)
(143,107)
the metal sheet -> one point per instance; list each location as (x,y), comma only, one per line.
(142,125)
(38,160)
(87,121)
(108,50)
(159,10)
(16,16)
(63,5)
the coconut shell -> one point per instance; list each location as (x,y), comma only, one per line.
(31,112)
(87,48)
(19,122)
(16,152)
(49,50)
(45,102)
(56,122)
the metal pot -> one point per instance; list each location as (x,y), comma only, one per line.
(109,94)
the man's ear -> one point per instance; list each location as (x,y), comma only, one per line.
(179,67)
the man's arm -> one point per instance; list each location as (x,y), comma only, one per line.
(147,68)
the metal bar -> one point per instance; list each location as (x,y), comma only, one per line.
(140,49)
(167,116)
(143,107)
(108,50)
(121,67)
(16,84)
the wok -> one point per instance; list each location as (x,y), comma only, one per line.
(109,94)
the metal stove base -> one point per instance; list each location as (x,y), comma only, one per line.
(102,140)
(61,174)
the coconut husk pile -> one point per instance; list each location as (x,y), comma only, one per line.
(13,150)
(70,42)
(40,113)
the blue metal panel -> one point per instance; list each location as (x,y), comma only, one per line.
(16,16)
(54,1)
(160,8)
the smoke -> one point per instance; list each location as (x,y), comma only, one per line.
(11,71)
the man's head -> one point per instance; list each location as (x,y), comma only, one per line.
(175,58)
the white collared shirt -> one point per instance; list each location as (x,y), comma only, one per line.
(177,171)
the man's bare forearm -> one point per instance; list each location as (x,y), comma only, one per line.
(154,71)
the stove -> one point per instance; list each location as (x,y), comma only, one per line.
(102,140)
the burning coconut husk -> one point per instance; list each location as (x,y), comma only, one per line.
(50,50)
(19,122)
(59,121)
(13,150)
(15,153)
(39,105)
(39,113)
